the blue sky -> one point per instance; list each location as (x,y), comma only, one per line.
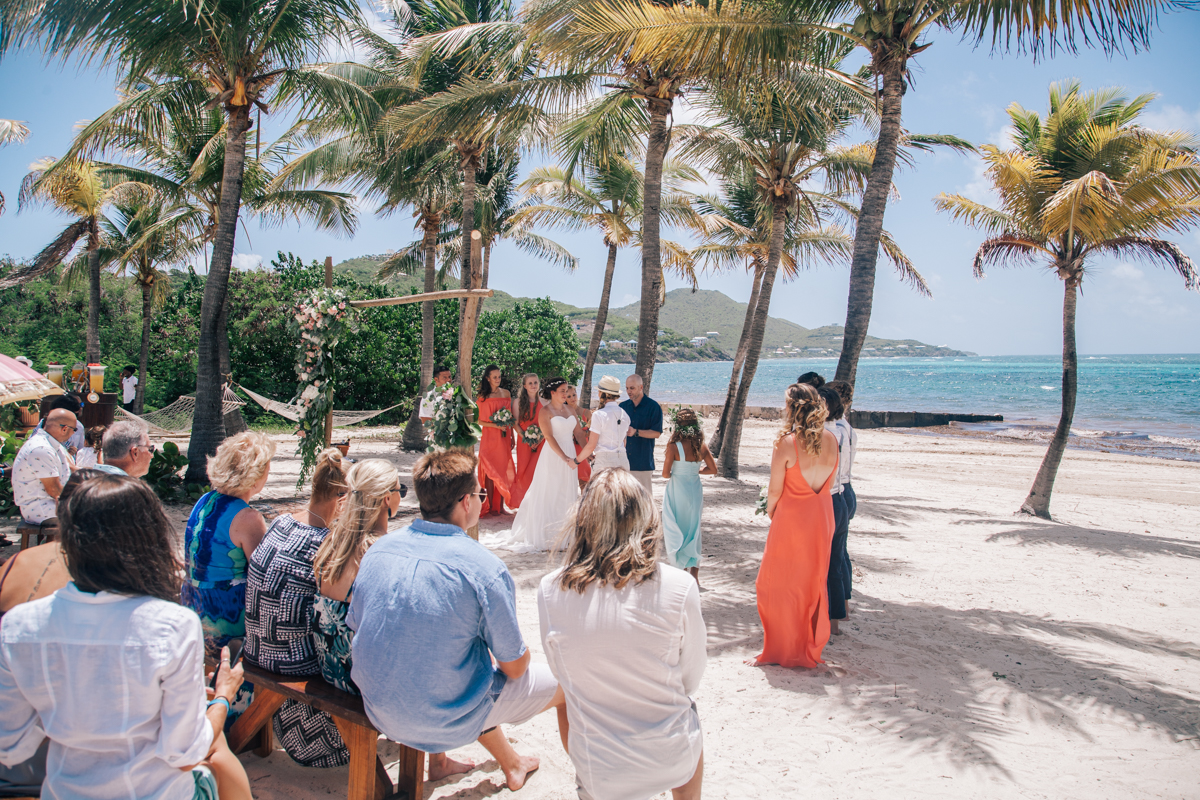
(1125,308)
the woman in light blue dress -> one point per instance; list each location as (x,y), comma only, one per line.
(687,459)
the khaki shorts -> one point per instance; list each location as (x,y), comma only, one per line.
(610,459)
(523,699)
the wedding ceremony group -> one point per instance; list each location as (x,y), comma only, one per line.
(499,509)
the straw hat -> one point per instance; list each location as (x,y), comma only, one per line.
(610,385)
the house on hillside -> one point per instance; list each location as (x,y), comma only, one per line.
(699,341)
(713,333)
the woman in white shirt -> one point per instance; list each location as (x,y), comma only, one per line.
(625,637)
(610,423)
(110,668)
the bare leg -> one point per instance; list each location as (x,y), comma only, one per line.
(441,766)
(691,789)
(695,574)
(516,767)
(232,782)
(559,703)
(833,627)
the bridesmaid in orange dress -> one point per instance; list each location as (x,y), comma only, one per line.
(581,433)
(525,412)
(793,599)
(496,471)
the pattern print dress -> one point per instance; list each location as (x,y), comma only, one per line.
(333,642)
(281,635)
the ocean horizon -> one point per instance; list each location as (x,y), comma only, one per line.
(1148,404)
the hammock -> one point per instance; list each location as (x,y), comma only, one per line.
(176,419)
(292,411)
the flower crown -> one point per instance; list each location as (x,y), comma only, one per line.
(684,428)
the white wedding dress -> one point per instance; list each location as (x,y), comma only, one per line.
(553,490)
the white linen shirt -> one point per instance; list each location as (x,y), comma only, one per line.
(116,683)
(611,423)
(128,389)
(627,661)
(846,455)
(40,457)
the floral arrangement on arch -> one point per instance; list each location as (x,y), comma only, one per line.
(454,422)
(319,321)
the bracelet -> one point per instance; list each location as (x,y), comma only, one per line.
(220,699)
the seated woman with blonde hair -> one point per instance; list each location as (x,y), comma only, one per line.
(625,637)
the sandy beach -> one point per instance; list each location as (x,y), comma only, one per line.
(987,655)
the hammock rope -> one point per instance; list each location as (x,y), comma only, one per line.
(292,411)
(176,419)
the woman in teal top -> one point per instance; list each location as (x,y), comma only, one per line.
(683,501)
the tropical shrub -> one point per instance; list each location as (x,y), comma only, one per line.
(532,337)
(10,443)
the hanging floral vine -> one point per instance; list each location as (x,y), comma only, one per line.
(319,321)
(454,423)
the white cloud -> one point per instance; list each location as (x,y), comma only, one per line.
(1171,118)
(247,261)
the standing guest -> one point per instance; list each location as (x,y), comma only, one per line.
(645,425)
(129,384)
(89,454)
(431,608)
(70,402)
(126,449)
(222,532)
(441,376)
(793,600)
(625,637)
(496,471)
(581,434)
(607,435)
(687,459)
(42,466)
(838,581)
(845,468)
(525,410)
(281,634)
(111,669)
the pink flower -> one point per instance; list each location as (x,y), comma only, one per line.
(447,395)
(342,305)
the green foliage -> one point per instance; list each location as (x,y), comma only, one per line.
(532,337)
(163,476)
(10,443)
(454,419)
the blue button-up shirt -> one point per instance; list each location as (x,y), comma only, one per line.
(429,603)
(645,416)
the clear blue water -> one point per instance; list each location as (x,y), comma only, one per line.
(1142,403)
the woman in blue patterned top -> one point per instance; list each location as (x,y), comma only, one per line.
(222,532)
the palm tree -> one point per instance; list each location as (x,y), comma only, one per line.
(610,199)
(11,131)
(234,54)
(1083,182)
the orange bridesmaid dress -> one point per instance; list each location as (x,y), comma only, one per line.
(793,599)
(526,461)
(495,457)
(585,469)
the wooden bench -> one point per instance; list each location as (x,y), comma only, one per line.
(368,779)
(43,533)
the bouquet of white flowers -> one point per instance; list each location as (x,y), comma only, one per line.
(533,437)
(502,417)
(761,506)
(453,424)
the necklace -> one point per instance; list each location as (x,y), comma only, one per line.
(312,513)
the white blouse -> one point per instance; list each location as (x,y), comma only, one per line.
(116,682)
(628,661)
(610,423)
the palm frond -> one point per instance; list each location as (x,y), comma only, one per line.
(1006,251)
(977,215)
(1158,252)
(50,257)
(546,248)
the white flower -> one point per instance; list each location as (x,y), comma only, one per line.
(309,394)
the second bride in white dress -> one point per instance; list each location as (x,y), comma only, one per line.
(555,486)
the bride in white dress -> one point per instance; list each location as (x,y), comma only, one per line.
(555,485)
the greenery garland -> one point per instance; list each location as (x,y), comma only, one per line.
(319,321)
(454,422)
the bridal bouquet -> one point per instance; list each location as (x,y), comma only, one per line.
(502,417)
(532,436)
(761,506)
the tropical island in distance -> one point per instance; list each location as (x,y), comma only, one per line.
(701,325)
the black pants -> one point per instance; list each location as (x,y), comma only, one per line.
(838,581)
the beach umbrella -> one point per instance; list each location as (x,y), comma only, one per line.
(18,382)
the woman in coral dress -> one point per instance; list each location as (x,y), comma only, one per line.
(525,408)
(496,471)
(581,434)
(793,599)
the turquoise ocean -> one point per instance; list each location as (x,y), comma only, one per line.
(1144,404)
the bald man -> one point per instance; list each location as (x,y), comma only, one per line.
(42,467)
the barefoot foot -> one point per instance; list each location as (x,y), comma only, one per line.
(516,776)
(442,766)
(833,627)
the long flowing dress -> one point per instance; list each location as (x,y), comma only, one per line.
(585,469)
(495,457)
(793,600)
(527,459)
(683,504)
(554,489)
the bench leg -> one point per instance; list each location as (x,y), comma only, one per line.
(412,773)
(368,779)
(245,732)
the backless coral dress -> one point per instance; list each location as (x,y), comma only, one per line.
(793,598)
(527,459)
(495,457)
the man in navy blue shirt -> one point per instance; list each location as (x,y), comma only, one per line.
(645,425)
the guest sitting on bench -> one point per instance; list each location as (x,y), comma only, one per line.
(127,450)
(430,609)
(42,467)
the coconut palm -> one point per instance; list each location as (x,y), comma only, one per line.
(1085,181)
(610,199)
(11,131)
(238,55)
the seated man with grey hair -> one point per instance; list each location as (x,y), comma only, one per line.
(127,450)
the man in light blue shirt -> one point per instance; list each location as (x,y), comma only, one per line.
(430,608)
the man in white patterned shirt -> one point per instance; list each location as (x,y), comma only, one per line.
(42,467)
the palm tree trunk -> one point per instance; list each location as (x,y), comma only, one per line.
(585,393)
(207,427)
(232,422)
(487,260)
(656,153)
(1038,501)
(93,323)
(468,308)
(870,220)
(732,441)
(739,359)
(414,432)
(139,399)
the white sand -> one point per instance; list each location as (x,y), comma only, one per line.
(987,655)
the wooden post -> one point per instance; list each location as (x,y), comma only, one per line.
(466,334)
(329,413)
